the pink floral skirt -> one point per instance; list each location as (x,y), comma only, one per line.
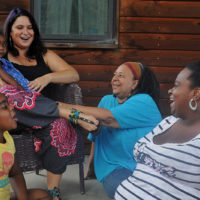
(55,138)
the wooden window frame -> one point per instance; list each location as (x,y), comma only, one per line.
(69,43)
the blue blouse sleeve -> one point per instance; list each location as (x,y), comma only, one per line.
(16,74)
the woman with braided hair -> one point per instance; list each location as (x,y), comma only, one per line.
(126,116)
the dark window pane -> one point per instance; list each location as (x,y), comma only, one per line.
(75,20)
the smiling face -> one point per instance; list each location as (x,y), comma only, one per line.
(7,121)
(22,33)
(181,94)
(2,46)
(123,83)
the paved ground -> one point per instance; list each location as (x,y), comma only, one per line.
(70,184)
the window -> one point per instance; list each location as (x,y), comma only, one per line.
(77,23)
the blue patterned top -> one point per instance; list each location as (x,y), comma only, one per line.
(16,74)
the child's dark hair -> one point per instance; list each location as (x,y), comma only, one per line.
(37,48)
(194,77)
(148,84)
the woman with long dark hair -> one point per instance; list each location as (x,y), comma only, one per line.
(26,51)
(39,65)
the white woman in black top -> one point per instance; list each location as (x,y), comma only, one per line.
(38,64)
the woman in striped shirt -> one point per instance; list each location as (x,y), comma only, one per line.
(169,157)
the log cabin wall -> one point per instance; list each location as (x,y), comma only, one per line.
(163,35)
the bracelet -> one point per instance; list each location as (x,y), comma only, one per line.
(74,116)
(86,120)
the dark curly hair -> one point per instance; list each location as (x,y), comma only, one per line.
(194,77)
(37,48)
(148,84)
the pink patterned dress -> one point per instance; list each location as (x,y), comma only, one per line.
(55,138)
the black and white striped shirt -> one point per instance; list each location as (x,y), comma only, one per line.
(167,172)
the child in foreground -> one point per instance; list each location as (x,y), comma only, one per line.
(9,170)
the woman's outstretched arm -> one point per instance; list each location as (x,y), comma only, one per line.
(101,114)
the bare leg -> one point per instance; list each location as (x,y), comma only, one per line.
(35,194)
(53,180)
(38,194)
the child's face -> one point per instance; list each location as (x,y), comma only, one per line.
(2,46)
(7,114)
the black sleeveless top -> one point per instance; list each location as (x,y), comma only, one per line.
(35,71)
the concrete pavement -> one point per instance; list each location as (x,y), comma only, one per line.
(70,184)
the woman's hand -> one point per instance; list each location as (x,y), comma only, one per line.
(89,126)
(39,83)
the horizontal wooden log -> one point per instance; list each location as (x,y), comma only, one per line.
(171,58)
(95,88)
(6,6)
(95,72)
(156,8)
(160,41)
(105,73)
(159,25)
(166,74)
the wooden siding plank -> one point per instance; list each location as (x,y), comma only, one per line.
(9,5)
(160,41)
(95,72)
(166,74)
(169,58)
(2,19)
(105,73)
(189,9)
(159,25)
(95,88)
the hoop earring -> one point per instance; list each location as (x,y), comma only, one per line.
(191,106)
